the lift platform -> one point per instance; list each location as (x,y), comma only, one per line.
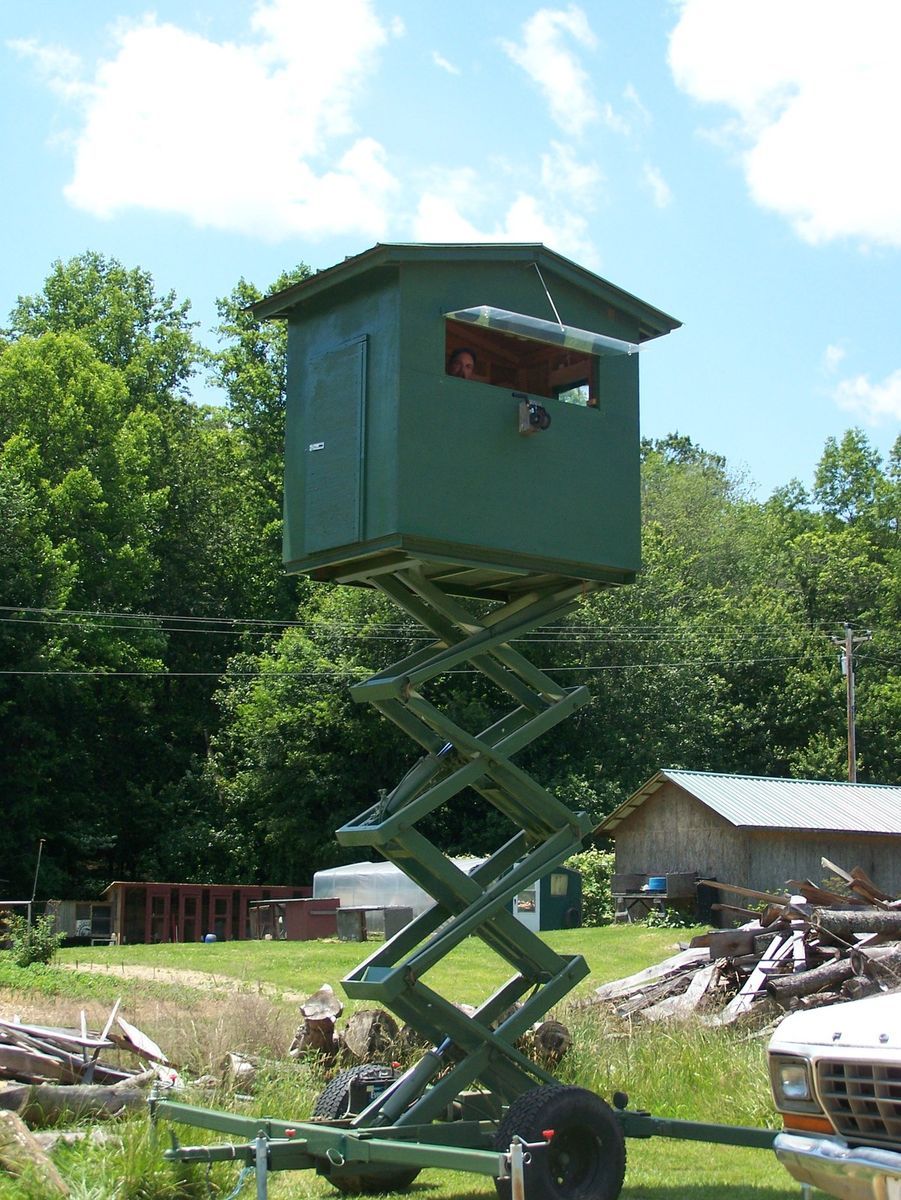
(484,506)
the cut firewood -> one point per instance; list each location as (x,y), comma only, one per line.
(322,1004)
(547,1042)
(773,914)
(859,986)
(21,1153)
(315,1037)
(880,963)
(823,978)
(369,1034)
(49,1104)
(845,924)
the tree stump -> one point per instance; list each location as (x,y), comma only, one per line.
(370,1034)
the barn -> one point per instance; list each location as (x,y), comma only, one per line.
(751,831)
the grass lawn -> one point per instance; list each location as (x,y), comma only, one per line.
(683,1071)
(467,975)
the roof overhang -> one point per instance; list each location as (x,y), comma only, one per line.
(653,322)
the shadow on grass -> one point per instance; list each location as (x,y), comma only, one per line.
(421,1189)
(712,1191)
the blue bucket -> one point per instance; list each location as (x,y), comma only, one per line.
(656,883)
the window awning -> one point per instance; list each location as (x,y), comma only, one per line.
(536,330)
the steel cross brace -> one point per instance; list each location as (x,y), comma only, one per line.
(478,1049)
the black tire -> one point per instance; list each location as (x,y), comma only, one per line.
(334,1103)
(586,1157)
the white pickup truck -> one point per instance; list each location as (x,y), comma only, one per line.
(836,1078)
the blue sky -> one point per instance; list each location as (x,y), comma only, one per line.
(732,162)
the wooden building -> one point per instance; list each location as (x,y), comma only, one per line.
(756,832)
(186,912)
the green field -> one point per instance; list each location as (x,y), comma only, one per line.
(685,1071)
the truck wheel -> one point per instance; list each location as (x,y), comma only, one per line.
(337,1100)
(586,1156)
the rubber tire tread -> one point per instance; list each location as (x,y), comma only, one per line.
(556,1107)
(331,1105)
(331,1101)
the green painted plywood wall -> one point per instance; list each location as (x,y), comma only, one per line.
(388,454)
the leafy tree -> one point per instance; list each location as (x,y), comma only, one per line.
(118,313)
(849,483)
(252,368)
(75,460)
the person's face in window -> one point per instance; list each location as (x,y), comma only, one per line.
(462,365)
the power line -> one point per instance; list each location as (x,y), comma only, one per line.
(363,674)
(593,635)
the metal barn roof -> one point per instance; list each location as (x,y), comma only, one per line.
(758,802)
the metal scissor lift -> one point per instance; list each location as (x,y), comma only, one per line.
(473,1102)
(469,1052)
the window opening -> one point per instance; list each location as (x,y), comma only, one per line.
(522,353)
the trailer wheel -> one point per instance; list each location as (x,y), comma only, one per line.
(347,1094)
(340,1099)
(586,1157)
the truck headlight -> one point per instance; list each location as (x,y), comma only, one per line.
(793,1081)
(792,1085)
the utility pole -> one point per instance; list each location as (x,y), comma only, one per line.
(847,643)
(34,888)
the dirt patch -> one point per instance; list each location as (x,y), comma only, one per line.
(202,980)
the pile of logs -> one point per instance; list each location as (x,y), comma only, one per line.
(48,1075)
(373,1035)
(808,947)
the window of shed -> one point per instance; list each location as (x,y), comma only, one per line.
(525,354)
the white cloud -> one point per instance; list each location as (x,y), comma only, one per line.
(815,88)
(632,98)
(546,59)
(876,403)
(563,175)
(237,136)
(440,61)
(659,188)
(833,356)
(440,218)
(57,65)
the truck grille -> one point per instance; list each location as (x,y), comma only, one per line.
(863,1100)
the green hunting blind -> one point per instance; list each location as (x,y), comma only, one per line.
(527,470)
(516,481)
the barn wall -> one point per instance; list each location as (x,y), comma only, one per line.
(780,855)
(674,832)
